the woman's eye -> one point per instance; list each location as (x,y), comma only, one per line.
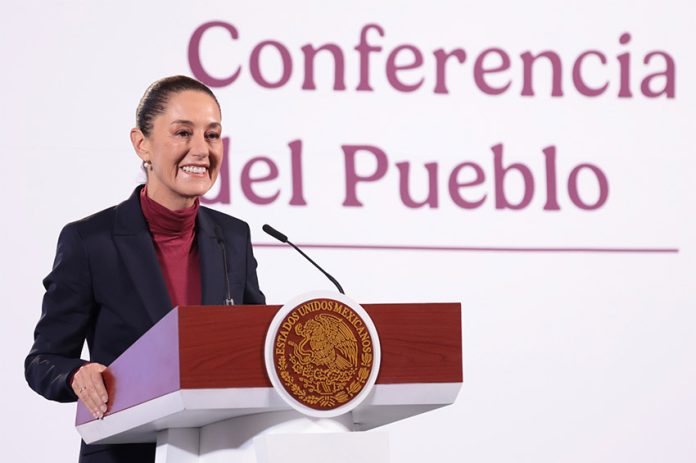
(183,133)
(213,136)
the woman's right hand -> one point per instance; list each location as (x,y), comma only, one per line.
(88,385)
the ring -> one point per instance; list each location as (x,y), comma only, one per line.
(81,389)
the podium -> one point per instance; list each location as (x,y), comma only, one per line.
(196,383)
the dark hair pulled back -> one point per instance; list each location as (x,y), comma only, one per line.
(154,101)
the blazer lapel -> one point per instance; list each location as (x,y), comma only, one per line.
(134,243)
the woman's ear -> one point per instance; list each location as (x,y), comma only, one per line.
(140,144)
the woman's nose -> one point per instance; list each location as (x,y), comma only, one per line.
(199,145)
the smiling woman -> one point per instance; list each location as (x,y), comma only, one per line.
(119,271)
(181,147)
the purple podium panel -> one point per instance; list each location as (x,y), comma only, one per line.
(147,370)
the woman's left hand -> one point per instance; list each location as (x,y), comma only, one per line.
(88,385)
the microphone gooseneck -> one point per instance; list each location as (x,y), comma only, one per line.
(284,239)
(221,242)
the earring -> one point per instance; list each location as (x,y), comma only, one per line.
(147,165)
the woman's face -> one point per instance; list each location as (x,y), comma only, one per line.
(184,149)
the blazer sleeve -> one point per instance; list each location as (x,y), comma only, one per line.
(67,309)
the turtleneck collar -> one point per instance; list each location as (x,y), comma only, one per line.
(162,221)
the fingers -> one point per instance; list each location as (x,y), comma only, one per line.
(88,384)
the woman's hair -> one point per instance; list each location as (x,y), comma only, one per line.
(154,101)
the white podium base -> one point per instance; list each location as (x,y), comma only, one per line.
(363,447)
(287,437)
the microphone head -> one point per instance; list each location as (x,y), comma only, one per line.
(275,233)
(218,235)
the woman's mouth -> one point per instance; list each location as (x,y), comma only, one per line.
(194,169)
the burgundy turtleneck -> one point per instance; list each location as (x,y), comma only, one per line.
(174,235)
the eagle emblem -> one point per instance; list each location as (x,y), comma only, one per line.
(327,355)
(323,353)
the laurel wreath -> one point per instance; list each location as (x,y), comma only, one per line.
(309,376)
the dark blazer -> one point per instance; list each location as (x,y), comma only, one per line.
(106,287)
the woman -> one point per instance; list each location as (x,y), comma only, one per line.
(117,272)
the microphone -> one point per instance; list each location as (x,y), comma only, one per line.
(284,239)
(221,242)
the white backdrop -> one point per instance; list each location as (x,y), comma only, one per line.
(568,356)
